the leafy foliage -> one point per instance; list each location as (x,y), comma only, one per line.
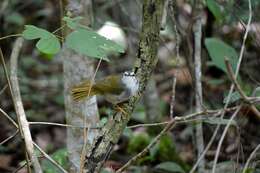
(82,39)
(215,9)
(90,43)
(73,23)
(48,42)
(218,51)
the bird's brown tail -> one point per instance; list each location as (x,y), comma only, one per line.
(84,90)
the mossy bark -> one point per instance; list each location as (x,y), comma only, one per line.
(145,64)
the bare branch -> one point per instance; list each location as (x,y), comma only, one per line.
(152,143)
(236,74)
(239,89)
(61,125)
(250,158)
(22,121)
(10,137)
(197,29)
(9,118)
(49,158)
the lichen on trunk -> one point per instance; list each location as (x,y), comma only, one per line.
(146,61)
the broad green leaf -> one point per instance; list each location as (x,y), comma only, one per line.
(235,96)
(91,44)
(73,23)
(32,32)
(215,9)
(218,51)
(48,43)
(220,121)
(170,167)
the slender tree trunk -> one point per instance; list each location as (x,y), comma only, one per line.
(197,30)
(76,69)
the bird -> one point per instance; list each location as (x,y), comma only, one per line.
(116,89)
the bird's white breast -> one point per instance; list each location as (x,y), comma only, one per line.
(131,83)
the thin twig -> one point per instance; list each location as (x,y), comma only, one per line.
(22,121)
(239,89)
(236,74)
(175,120)
(49,158)
(152,143)
(3,89)
(147,125)
(234,80)
(225,132)
(229,94)
(61,125)
(10,137)
(250,158)
(20,167)
(83,151)
(9,118)
(10,36)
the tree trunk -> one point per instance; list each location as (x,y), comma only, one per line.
(76,69)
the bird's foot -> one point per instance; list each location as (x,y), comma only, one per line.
(120,109)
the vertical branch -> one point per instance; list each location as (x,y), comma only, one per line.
(78,68)
(197,29)
(22,121)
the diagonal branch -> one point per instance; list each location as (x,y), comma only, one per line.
(239,89)
(145,64)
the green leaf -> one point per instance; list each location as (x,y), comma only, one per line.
(91,44)
(32,32)
(215,9)
(48,43)
(170,167)
(218,51)
(73,23)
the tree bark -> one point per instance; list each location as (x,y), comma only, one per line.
(77,68)
(145,64)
